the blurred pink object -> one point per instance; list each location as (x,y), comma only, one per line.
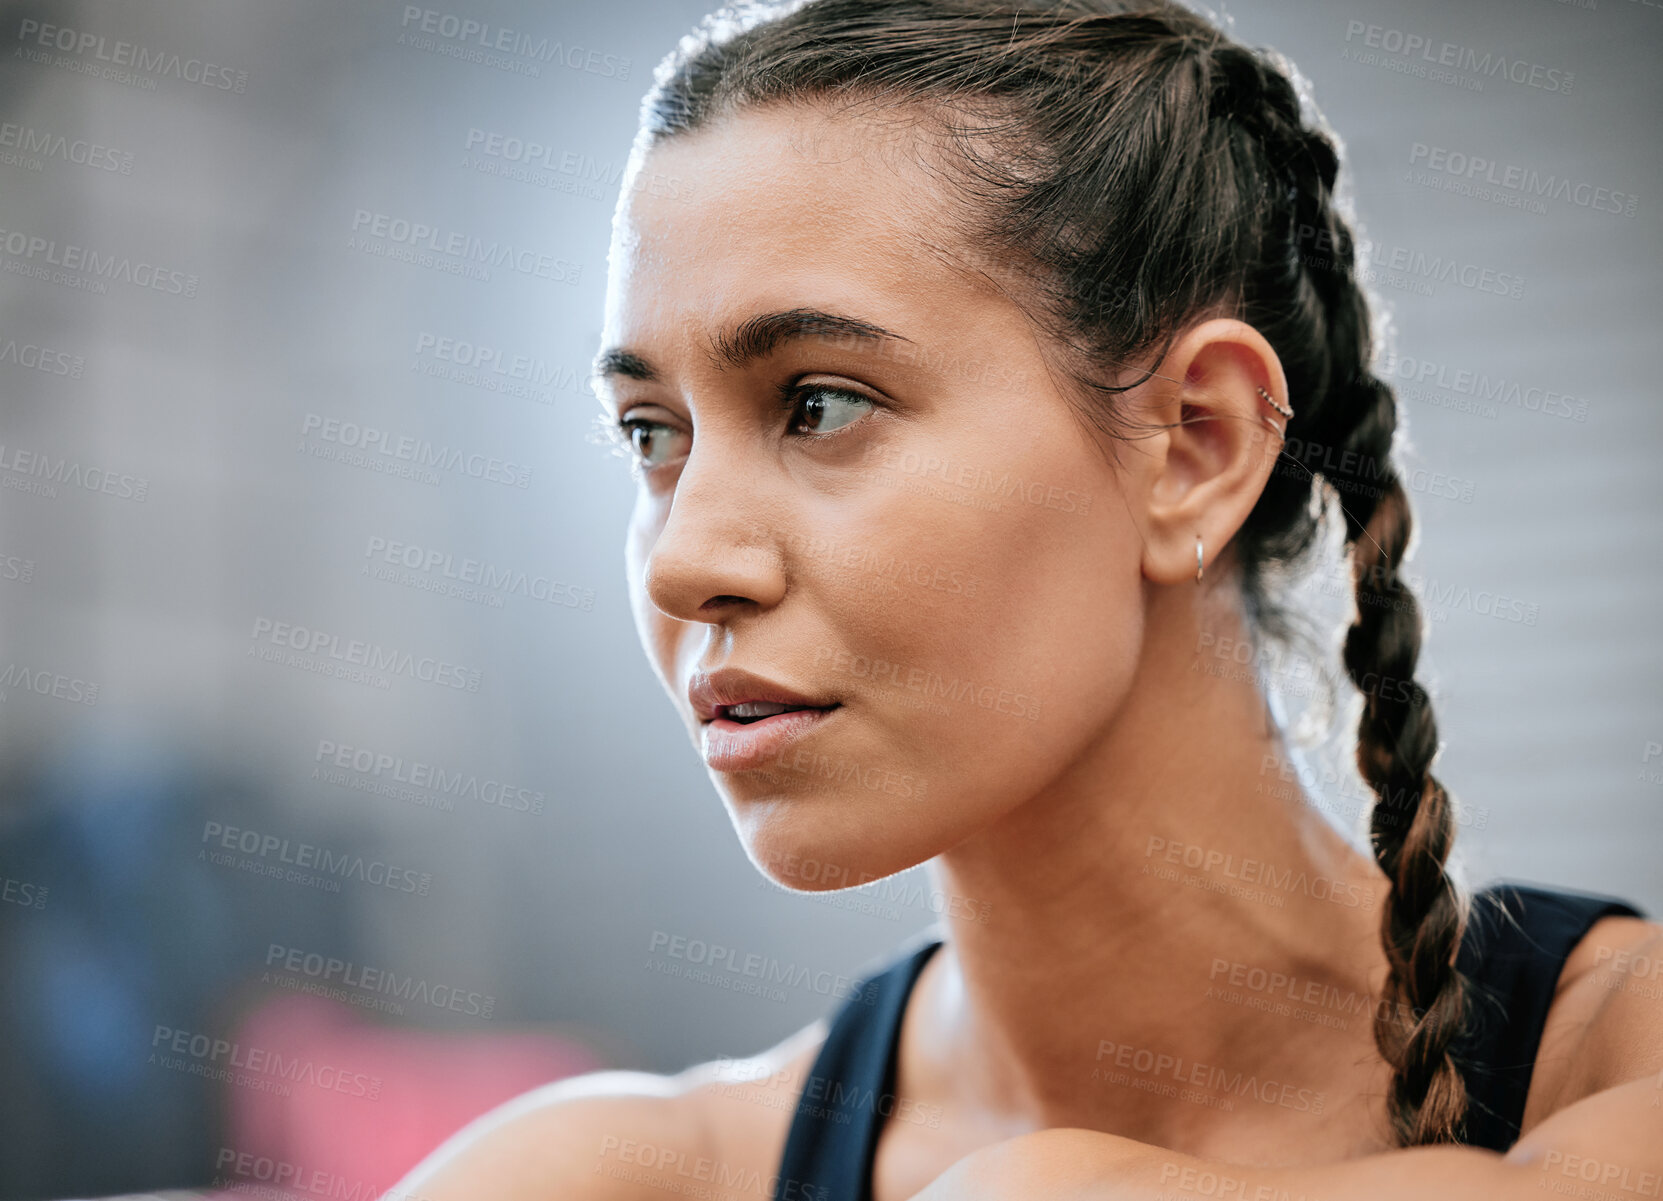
(365,1102)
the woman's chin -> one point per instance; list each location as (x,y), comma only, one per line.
(822,852)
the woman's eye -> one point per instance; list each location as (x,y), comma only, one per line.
(815,409)
(653,442)
(821,409)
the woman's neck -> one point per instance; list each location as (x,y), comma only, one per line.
(1171,942)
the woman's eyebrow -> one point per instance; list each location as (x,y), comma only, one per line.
(753,339)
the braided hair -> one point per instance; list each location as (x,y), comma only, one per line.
(1136,169)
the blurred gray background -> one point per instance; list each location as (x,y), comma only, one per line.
(264,201)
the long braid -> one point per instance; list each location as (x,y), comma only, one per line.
(1411,824)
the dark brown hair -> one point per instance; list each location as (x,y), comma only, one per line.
(1137,169)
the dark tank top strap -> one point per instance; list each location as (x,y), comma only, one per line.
(1514,950)
(834,1133)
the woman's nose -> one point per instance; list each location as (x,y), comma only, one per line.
(716,548)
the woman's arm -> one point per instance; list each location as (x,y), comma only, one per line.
(578,1138)
(1608,1147)
(1603,1140)
(626,1136)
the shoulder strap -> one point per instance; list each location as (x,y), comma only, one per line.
(1515,947)
(834,1133)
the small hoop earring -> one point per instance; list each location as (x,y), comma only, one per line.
(1280,408)
(1198,558)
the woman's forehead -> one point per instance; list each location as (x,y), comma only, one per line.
(765,227)
(790,179)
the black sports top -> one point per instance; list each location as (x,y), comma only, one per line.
(1513,951)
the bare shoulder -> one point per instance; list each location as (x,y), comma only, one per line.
(617,1136)
(1605,1026)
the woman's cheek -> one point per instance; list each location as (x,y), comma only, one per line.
(948,702)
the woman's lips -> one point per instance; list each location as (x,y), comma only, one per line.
(730,745)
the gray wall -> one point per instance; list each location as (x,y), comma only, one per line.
(251,192)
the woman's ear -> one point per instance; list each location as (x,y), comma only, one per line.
(1222,442)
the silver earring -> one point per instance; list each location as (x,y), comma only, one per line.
(1280,408)
(1198,558)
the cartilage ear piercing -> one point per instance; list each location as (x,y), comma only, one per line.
(1280,408)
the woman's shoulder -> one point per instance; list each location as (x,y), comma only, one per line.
(618,1135)
(1604,1025)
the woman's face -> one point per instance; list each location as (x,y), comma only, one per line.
(909,531)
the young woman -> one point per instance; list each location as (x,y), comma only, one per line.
(988,370)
